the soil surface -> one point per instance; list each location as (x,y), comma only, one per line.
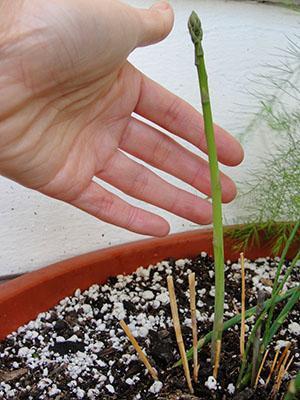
(78,350)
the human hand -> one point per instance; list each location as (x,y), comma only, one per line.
(67,95)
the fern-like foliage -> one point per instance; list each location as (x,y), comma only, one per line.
(271,196)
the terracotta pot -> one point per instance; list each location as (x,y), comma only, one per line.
(23,298)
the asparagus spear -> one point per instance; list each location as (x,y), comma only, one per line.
(196,33)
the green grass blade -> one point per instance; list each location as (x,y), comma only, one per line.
(233,321)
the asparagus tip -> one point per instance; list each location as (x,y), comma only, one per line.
(195,28)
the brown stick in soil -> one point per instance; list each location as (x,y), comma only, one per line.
(217,358)
(177,328)
(192,287)
(138,349)
(281,373)
(260,368)
(243,303)
(272,367)
(282,357)
(288,366)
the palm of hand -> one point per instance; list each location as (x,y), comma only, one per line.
(75,121)
(92,127)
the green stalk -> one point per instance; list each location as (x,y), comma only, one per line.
(278,272)
(284,253)
(278,290)
(233,321)
(282,316)
(256,327)
(288,273)
(196,33)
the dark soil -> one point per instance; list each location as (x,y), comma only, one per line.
(78,350)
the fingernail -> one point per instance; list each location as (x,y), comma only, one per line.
(162,5)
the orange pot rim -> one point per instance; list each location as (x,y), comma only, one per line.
(23,298)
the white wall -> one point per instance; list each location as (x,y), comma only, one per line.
(239,38)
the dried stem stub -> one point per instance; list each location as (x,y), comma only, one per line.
(282,357)
(272,366)
(243,309)
(217,359)
(138,349)
(281,373)
(192,287)
(177,328)
(260,368)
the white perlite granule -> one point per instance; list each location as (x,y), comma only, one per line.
(156,387)
(148,295)
(281,343)
(144,292)
(294,328)
(110,388)
(163,298)
(80,393)
(211,383)
(231,388)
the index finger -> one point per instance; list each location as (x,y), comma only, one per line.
(175,115)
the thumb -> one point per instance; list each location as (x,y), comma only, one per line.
(155,23)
